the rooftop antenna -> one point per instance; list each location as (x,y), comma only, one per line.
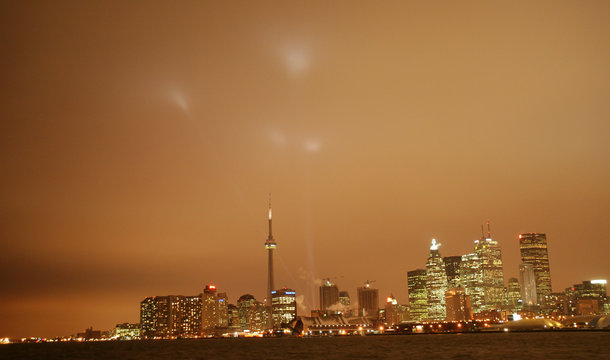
(488,230)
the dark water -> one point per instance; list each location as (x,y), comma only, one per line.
(550,345)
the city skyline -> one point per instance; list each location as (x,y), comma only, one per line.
(190,330)
(141,141)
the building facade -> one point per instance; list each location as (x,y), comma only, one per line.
(329,297)
(233,318)
(472,280)
(527,279)
(513,294)
(368,301)
(172,316)
(490,258)
(283,307)
(344,298)
(587,298)
(214,310)
(245,305)
(458,305)
(393,311)
(534,251)
(436,283)
(452,268)
(418,296)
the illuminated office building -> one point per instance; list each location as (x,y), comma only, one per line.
(170,316)
(436,283)
(513,294)
(245,305)
(259,317)
(471,278)
(534,251)
(209,310)
(214,311)
(393,314)
(329,297)
(233,318)
(344,302)
(588,297)
(458,305)
(148,309)
(418,296)
(190,310)
(253,315)
(527,279)
(283,307)
(452,268)
(594,289)
(490,258)
(344,298)
(223,310)
(557,304)
(368,301)
(127,331)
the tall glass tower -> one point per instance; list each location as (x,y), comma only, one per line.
(490,257)
(436,283)
(418,296)
(534,251)
(329,296)
(471,278)
(528,285)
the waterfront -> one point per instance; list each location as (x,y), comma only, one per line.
(528,345)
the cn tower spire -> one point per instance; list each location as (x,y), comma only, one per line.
(270,220)
(270,245)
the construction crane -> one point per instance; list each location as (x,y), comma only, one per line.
(327,279)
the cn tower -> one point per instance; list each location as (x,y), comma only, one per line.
(270,245)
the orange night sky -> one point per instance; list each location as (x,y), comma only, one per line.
(140,141)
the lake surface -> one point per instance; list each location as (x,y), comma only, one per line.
(534,345)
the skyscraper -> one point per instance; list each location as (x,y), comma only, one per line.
(368,301)
(452,268)
(283,307)
(458,305)
(436,283)
(528,285)
(418,296)
(534,251)
(214,310)
(190,310)
(170,316)
(392,311)
(472,279)
(270,245)
(490,257)
(245,306)
(259,317)
(223,310)
(514,294)
(233,318)
(329,296)
(209,310)
(148,309)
